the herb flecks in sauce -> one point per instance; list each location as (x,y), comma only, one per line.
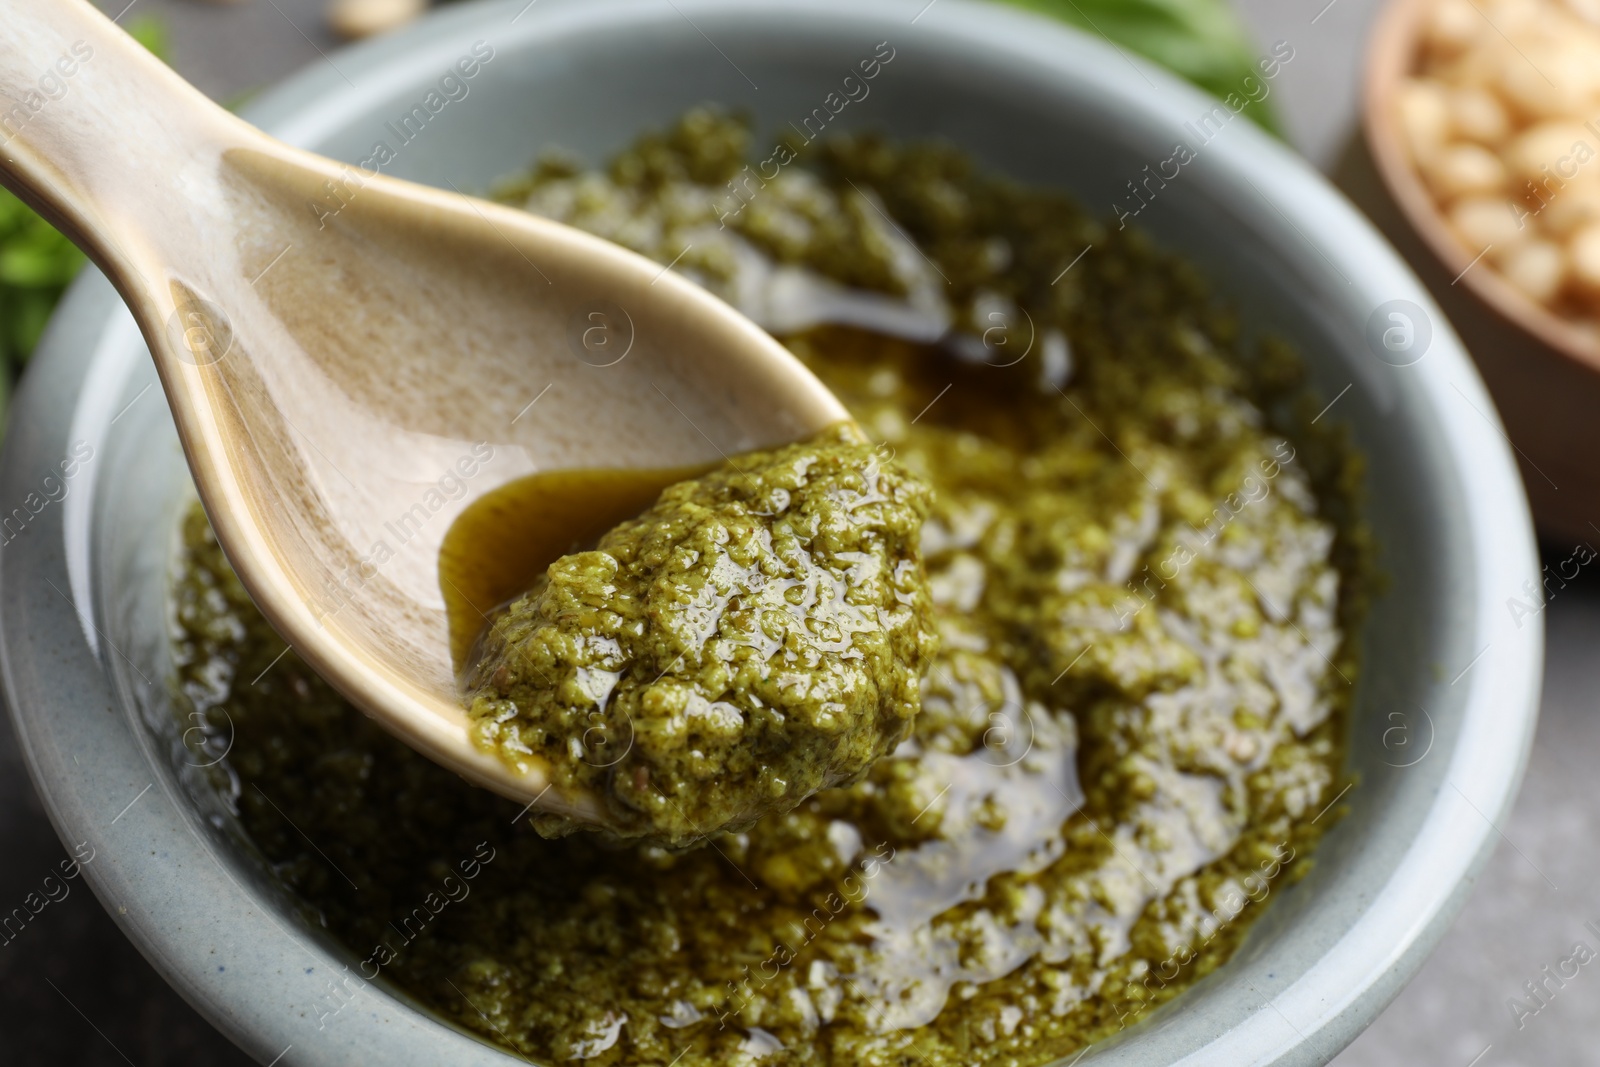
(757,635)
(1142,590)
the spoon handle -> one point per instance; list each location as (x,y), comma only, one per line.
(92,129)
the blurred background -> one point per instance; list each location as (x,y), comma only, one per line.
(83,996)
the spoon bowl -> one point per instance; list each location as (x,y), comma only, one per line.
(352,360)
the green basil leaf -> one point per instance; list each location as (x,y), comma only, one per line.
(1199,40)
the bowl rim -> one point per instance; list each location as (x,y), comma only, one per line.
(1292,209)
(1391,56)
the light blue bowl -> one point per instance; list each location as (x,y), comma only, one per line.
(1445,709)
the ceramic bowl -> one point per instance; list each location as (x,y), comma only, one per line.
(1446,702)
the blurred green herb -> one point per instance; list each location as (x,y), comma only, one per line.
(1201,40)
(151,32)
(36,262)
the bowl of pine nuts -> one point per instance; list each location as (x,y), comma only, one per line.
(1482,118)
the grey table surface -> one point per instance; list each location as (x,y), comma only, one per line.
(74,992)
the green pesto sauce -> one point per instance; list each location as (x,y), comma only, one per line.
(1142,590)
(755,636)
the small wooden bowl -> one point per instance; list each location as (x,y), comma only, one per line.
(1543,371)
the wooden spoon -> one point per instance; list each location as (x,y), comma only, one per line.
(351,360)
